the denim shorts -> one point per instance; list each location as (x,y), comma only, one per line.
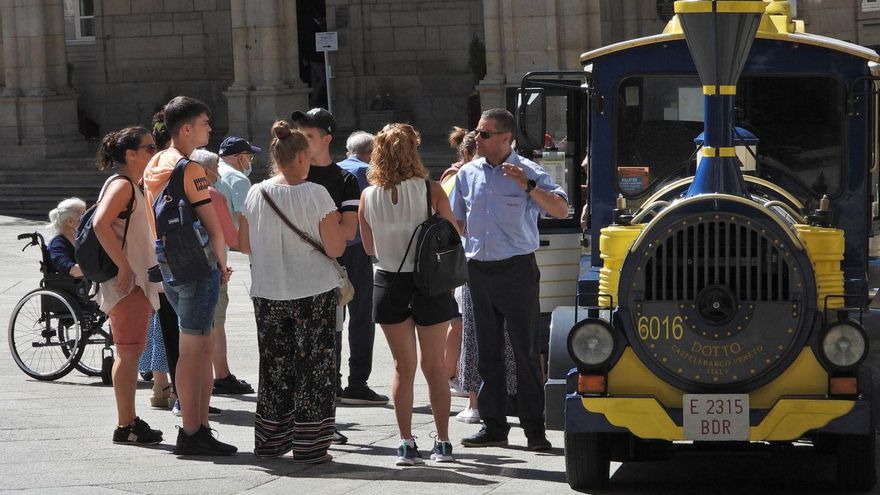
(195,303)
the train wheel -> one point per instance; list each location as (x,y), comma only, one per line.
(44,335)
(856,466)
(587,460)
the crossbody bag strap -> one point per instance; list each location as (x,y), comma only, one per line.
(303,235)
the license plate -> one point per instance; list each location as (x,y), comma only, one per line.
(716,417)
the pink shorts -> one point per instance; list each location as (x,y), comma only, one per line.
(128,321)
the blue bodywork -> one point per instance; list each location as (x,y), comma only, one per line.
(767,57)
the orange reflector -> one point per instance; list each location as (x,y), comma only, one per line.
(843,385)
(591,384)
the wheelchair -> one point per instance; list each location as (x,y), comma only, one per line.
(58,326)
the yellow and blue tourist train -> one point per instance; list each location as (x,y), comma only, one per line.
(732,197)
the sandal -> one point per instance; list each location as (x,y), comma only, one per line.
(161,401)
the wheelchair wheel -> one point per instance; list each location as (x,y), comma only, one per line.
(94,343)
(44,335)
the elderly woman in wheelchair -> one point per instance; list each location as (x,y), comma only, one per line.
(64,220)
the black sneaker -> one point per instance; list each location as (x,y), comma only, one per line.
(137,433)
(232,385)
(226,448)
(339,438)
(483,438)
(363,396)
(201,442)
(539,444)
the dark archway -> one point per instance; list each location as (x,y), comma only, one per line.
(311,18)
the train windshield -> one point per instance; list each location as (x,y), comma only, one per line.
(798,121)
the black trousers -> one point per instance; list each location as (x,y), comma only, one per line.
(507,291)
(170,336)
(361,329)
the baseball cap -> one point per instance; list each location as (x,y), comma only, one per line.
(316,117)
(233,145)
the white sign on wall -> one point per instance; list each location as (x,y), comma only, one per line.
(326,42)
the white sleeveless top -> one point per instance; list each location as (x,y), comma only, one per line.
(393,224)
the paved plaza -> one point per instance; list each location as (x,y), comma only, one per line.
(55,436)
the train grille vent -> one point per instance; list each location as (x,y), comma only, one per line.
(731,254)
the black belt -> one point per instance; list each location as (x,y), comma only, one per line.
(502,263)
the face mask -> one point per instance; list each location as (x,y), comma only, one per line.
(247,171)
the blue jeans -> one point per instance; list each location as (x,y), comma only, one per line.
(195,303)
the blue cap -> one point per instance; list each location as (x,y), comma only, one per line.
(233,145)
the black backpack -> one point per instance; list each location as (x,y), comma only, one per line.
(91,257)
(181,241)
(440,263)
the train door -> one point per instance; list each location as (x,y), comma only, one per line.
(556,138)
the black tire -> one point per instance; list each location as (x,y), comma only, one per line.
(90,362)
(107,370)
(587,460)
(45,334)
(856,466)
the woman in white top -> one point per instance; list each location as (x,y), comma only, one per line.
(129,298)
(293,286)
(390,210)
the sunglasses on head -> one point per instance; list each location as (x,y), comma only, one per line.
(488,134)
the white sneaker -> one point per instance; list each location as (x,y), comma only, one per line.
(455,389)
(468,415)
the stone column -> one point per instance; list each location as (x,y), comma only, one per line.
(239,46)
(492,86)
(38,107)
(266,83)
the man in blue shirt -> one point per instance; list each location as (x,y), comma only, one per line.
(361,329)
(235,164)
(497,199)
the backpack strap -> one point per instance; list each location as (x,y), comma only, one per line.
(413,236)
(428,195)
(175,183)
(128,209)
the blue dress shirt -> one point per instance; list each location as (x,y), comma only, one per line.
(501,219)
(357,167)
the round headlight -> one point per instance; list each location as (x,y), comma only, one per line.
(844,344)
(591,343)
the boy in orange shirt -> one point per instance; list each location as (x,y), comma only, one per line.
(188,122)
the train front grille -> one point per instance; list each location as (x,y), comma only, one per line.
(732,253)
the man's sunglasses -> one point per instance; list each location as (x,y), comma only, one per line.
(488,134)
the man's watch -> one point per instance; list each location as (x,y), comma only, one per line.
(530,184)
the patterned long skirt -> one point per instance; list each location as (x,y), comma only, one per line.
(295,399)
(467,367)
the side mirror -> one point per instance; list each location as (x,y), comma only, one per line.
(531,118)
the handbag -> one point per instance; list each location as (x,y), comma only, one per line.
(440,263)
(345,291)
(91,257)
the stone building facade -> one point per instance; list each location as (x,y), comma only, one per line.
(83,67)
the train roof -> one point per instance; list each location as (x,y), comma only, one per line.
(773,27)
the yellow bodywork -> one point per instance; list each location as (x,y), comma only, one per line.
(614,244)
(825,249)
(796,399)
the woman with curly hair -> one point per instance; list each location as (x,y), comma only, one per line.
(390,210)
